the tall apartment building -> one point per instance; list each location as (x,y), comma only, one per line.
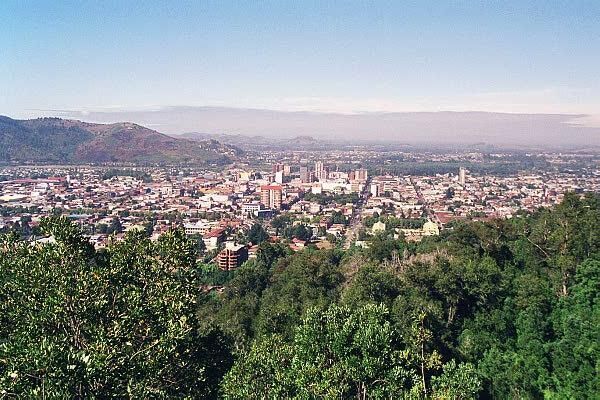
(232,256)
(270,196)
(305,175)
(462,176)
(374,190)
(319,166)
(320,170)
(277,167)
(361,174)
(279,177)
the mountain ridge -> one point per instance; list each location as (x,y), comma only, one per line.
(416,128)
(52,139)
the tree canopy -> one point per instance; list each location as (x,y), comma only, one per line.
(498,309)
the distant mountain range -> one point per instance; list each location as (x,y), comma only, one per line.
(72,141)
(302,142)
(414,128)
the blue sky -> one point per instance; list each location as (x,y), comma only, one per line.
(342,56)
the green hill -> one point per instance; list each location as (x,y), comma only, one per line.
(70,141)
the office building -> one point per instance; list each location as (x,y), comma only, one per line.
(287,170)
(251,208)
(374,190)
(198,228)
(279,177)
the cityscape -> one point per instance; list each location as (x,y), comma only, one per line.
(220,207)
(316,200)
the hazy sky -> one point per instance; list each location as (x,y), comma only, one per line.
(342,56)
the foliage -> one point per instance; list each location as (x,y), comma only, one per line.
(336,353)
(456,382)
(280,222)
(383,248)
(308,279)
(299,231)
(257,234)
(81,323)
(325,199)
(501,309)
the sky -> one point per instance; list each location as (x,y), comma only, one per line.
(324,56)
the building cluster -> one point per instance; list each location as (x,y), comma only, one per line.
(324,202)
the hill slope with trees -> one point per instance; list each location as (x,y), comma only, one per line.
(69,141)
(501,309)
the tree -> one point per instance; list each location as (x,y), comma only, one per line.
(280,223)
(576,352)
(199,242)
(457,382)
(262,371)
(306,279)
(383,248)
(119,323)
(371,284)
(331,238)
(335,353)
(115,226)
(338,218)
(257,234)
(299,231)
(269,253)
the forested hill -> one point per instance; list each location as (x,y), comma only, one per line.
(68,141)
(505,309)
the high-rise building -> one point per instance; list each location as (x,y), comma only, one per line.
(374,190)
(279,177)
(320,170)
(277,167)
(304,175)
(270,196)
(361,174)
(462,176)
(319,166)
(287,170)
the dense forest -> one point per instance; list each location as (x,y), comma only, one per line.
(502,309)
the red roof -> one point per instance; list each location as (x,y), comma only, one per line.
(446,216)
(271,187)
(215,233)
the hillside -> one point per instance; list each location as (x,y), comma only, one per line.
(504,309)
(257,142)
(60,140)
